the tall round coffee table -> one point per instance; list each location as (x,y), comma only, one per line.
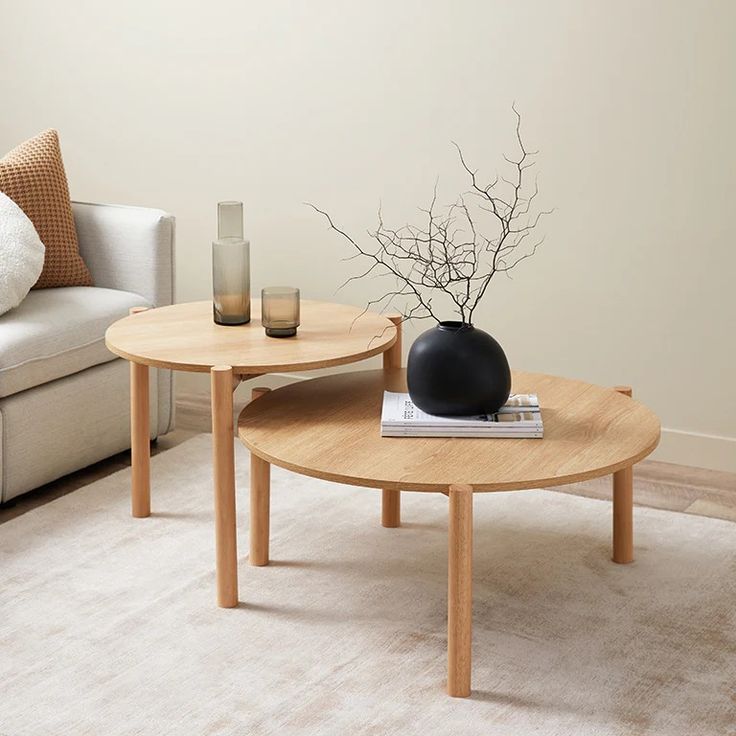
(329,428)
(184,337)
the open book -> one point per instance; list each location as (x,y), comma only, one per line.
(519,417)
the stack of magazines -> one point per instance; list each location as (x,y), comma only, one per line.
(519,417)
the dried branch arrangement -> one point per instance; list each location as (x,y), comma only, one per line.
(458,248)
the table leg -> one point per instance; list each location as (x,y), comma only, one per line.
(390,499)
(223,451)
(260,502)
(623,508)
(623,516)
(460,591)
(140,442)
(140,437)
(390,508)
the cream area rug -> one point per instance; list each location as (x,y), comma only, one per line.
(108,624)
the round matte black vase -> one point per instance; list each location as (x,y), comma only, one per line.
(455,369)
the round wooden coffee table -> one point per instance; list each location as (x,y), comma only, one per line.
(329,428)
(184,337)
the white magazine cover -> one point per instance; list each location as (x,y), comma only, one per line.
(497,431)
(521,411)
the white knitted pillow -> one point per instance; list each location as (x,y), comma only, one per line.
(21,254)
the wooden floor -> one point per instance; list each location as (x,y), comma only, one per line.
(658,485)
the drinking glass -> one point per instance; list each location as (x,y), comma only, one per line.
(280,310)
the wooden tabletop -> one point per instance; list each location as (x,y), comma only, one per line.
(330,428)
(185,337)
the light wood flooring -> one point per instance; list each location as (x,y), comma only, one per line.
(656,484)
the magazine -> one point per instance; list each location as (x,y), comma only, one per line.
(519,417)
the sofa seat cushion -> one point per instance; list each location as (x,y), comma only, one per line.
(56,332)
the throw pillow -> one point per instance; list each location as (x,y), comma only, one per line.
(21,254)
(33,176)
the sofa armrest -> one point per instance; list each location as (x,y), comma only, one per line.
(128,248)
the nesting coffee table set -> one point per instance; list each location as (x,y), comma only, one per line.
(329,428)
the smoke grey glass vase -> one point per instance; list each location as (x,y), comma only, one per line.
(230,267)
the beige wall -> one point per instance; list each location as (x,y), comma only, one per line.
(179,104)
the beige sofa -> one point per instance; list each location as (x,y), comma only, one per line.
(64,398)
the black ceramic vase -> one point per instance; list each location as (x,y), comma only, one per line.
(455,369)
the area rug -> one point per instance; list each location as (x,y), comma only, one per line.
(108,624)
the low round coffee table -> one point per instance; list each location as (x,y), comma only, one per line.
(329,428)
(184,337)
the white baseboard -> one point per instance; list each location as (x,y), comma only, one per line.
(696,449)
(677,446)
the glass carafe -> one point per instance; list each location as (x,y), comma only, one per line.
(230,267)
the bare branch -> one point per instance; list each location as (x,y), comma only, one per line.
(453,253)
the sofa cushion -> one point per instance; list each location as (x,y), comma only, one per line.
(21,254)
(33,176)
(57,332)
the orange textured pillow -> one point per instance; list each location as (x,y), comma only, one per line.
(33,176)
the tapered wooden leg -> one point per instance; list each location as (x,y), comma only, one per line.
(260,503)
(460,591)
(390,499)
(623,508)
(140,439)
(390,508)
(223,452)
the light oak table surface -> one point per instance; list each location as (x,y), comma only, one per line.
(329,428)
(184,337)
